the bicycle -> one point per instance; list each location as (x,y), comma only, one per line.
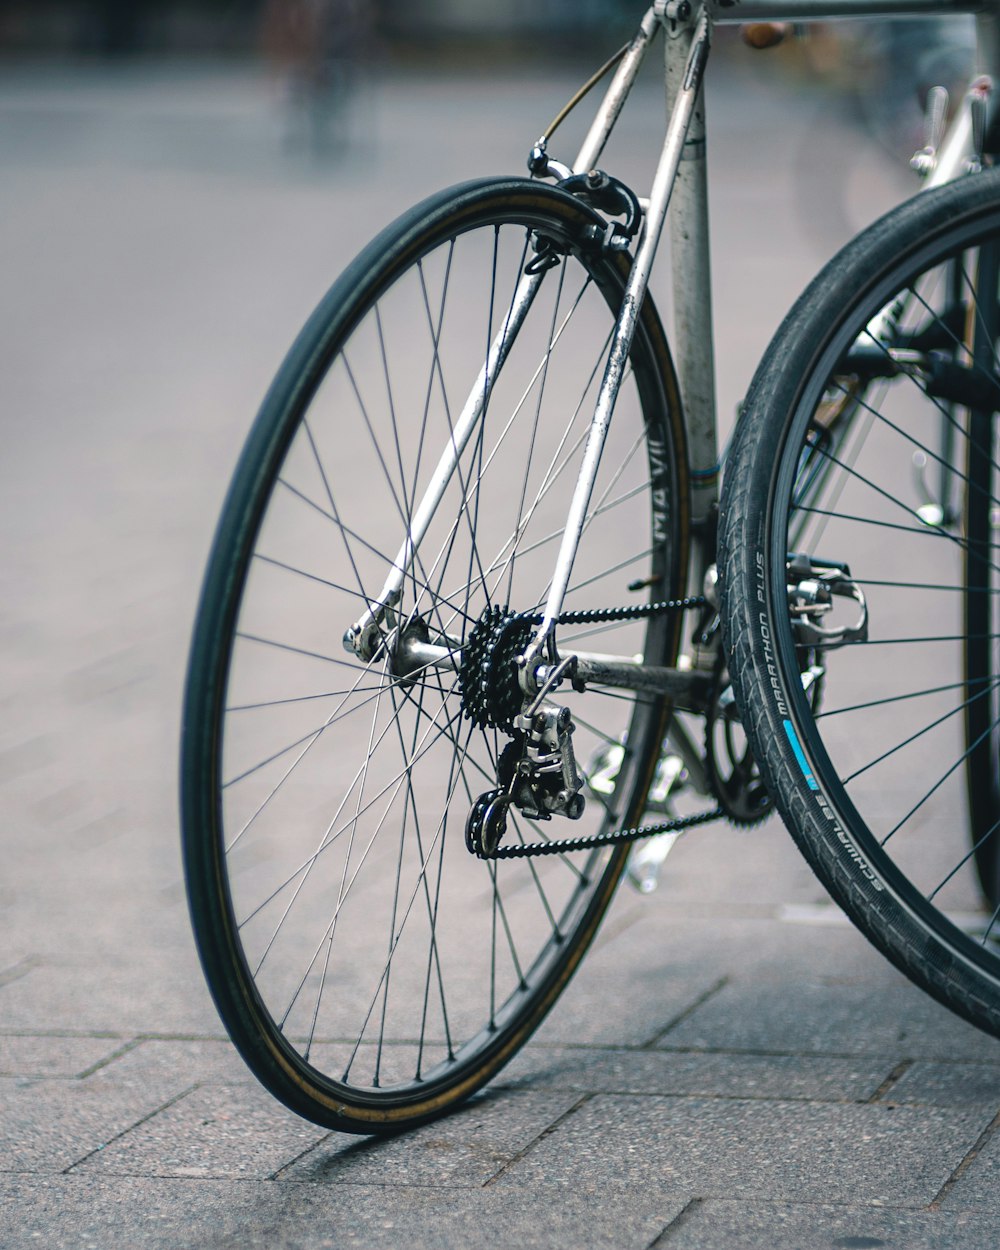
(511,674)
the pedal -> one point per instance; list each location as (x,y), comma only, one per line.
(813,587)
(647,858)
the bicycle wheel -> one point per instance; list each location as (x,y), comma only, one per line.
(860,607)
(371,971)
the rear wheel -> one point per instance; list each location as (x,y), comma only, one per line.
(372,971)
(859,558)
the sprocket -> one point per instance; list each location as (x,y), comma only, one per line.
(491,694)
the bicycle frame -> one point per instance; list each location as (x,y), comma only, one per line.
(680,183)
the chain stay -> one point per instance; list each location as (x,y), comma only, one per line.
(561,846)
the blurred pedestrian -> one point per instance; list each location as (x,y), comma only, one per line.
(322,49)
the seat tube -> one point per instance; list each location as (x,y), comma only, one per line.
(692,309)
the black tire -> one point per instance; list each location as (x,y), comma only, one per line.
(982,699)
(371,971)
(868,744)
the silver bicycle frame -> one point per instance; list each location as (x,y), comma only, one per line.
(679,181)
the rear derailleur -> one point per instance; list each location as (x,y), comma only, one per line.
(537,774)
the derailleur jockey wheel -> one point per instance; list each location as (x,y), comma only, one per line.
(487,821)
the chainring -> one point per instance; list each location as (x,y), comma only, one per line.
(732,770)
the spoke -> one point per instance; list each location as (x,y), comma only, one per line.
(406,508)
(608,572)
(403,512)
(501,911)
(899,642)
(942,408)
(313,577)
(897,698)
(557,933)
(334,519)
(333,507)
(433,955)
(330,837)
(372,436)
(853,439)
(939,720)
(312,655)
(422,870)
(611,692)
(986,332)
(965,590)
(926,531)
(555,467)
(991,926)
(499,564)
(435,369)
(898,503)
(965,859)
(940,782)
(610,739)
(922,447)
(302,698)
(308,737)
(533,435)
(281,781)
(305,877)
(407,801)
(595,795)
(963,350)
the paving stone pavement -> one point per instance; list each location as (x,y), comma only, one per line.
(732,1067)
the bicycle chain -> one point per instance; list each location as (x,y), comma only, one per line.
(562,846)
(597,616)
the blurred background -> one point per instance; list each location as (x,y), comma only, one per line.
(179,184)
